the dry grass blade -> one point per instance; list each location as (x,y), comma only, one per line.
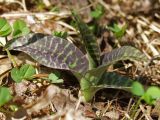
(147,116)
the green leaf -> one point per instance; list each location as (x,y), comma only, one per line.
(118,32)
(20,28)
(123,53)
(95,76)
(114,80)
(5,28)
(98,12)
(90,42)
(51,51)
(89,81)
(137,89)
(55,77)
(92,84)
(154,92)
(25,72)
(5,95)
(147,98)
(15,74)
(151,95)
(87,89)
(55,9)
(60,34)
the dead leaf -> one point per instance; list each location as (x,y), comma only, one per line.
(113,115)
(2,116)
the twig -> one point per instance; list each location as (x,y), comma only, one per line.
(66,25)
(104,4)
(24,14)
(152,48)
(11,58)
(137,114)
(47,3)
(145,114)
(129,105)
(23,4)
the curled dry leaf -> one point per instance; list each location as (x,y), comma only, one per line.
(2,116)
(113,115)
(5,65)
(61,99)
(44,100)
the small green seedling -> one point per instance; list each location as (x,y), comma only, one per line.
(98,12)
(5,95)
(25,72)
(149,96)
(60,34)
(118,31)
(20,28)
(55,77)
(5,28)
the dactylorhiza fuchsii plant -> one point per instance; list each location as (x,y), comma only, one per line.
(89,68)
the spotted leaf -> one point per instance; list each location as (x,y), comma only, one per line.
(90,42)
(114,80)
(90,86)
(51,51)
(97,79)
(123,53)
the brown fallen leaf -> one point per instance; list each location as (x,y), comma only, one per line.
(2,116)
(113,115)
(53,94)
(5,65)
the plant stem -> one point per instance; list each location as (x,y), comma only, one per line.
(11,58)
(135,108)
(92,64)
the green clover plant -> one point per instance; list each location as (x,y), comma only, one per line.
(5,95)
(5,28)
(98,12)
(19,29)
(117,30)
(25,72)
(149,96)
